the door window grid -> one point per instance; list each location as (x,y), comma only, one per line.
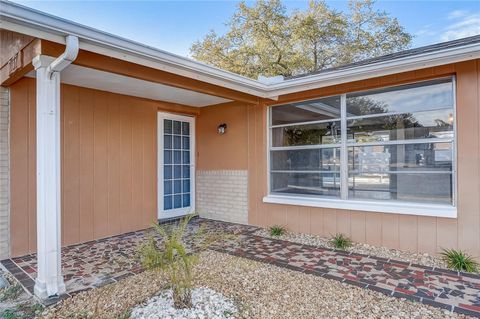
(177,177)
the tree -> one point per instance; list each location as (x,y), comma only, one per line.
(265,40)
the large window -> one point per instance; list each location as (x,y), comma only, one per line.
(389,144)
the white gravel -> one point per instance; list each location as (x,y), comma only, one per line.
(365,249)
(207,304)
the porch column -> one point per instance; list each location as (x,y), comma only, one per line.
(49,280)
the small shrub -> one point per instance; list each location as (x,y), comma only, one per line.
(11,292)
(277,230)
(459,260)
(340,241)
(8,314)
(173,258)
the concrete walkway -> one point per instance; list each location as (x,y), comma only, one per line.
(96,263)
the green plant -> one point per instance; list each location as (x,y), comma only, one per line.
(173,258)
(340,241)
(277,230)
(9,314)
(459,260)
(11,292)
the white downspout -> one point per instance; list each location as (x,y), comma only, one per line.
(49,280)
(64,60)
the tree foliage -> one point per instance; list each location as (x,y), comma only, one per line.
(264,39)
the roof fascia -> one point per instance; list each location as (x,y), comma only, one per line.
(36,23)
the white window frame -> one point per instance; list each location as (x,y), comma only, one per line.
(178,212)
(384,206)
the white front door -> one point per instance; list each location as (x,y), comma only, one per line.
(176,165)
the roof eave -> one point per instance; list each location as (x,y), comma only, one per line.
(41,25)
(28,21)
(335,77)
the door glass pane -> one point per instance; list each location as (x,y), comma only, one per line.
(177,201)
(186,128)
(177,171)
(186,157)
(167,172)
(186,185)
(186,171)
(177,142)
(167,126)
(177,157)
(167,157)
(186,143)
(167,202)
(167,141)
(167,187)
(176,164)
(186,200)
(177,127)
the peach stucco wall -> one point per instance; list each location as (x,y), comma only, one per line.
(222,152)
(109,167)
(108,164)
(407,232)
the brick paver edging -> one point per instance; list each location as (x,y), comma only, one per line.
(104,261)
(441,288)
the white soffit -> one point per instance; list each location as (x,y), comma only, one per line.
(115,83)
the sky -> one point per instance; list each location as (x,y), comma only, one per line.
(174,25)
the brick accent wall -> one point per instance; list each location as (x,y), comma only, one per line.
(223,195)
(4,173)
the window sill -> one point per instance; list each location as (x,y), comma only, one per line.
(369,206)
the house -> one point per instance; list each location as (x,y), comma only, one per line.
(100,135)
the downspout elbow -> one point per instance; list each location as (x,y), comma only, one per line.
(67,57)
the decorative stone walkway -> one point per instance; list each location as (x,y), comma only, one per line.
(103,261)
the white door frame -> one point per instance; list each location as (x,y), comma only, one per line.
(160,132)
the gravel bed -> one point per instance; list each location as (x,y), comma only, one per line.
(312,240)
(206,304)
(258,290)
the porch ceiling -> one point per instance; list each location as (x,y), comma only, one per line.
(116,83)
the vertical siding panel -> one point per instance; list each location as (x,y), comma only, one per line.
(149,159)
(292,221)
(86,156)
(390,230)
(253,216)
(373,229)
(276,215)
(100,165)
(304,220)
(343,222)
(317,221)
(19,185)
(70,165)
(447,233)
(32,160)
(427,234)
(329,222)
(125,216)
(357,226)
(468,155)
(113,164)
(478,136)
(137,168)
(407,226)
